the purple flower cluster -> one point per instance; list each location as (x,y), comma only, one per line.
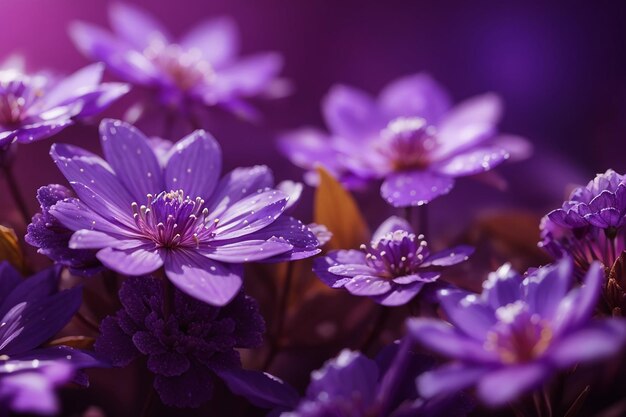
(589,226)
(185,342)
(410,136)
(511,338)
(32,311)
(392,269)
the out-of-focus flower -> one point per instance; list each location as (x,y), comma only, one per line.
(517,333)
(32,311)
(186,342)
(352,385)
(202,67)
(392,269)
(590,225)
(52,238)
(34,107)
(141,215)
(410,136)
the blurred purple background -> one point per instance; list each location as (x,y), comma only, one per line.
(561,69)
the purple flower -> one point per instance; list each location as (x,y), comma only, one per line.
(34,107)
(352,385)
(201,67)
(392,269)
(410,136)
(589,226)
(141,215)
(52,238)
(517,333)
(32,311)
(185,346)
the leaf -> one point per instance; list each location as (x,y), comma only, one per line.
(10,248)
(78,342)
(336,209)
(260,388)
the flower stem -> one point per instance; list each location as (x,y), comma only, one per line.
(280,317)
(148,402)
(16,193)
(375,330)
(422,213)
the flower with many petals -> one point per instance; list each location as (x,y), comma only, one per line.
(185,341)
(392,269)
(410,136)
(52,238)
(32,311)
(590,225)
(352,385)
(202,67)
(36,106)
(517,333)
(141,215)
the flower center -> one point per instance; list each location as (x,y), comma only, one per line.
(518,336)
(407,142)
(17,93)
(172,220)
(397,254)
(186,68)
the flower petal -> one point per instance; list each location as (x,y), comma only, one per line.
(468,124)
(351,113)
(509,383)
(368,285)
(414,188)
(467,313)
(250,214)
(448,341)
(246,77)
(473,161)
(245,251)
(217,39)
(127,151)
(209,281)
(237,184)
(449,379)
(322,264)
(392,224)
(259,388)
(194,165)
(399,294)
(416,95)
(135,26)
(450,256)
(136,261)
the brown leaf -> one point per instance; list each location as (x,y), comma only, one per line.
(78,342)
(336,209)
(10,248)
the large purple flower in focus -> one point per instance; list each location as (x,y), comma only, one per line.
(590,225)
(517,333)
(352,385)
(141,215)
(31,312)
(188,344)
(392,269)
(410,136)
(36,106)
(201,67)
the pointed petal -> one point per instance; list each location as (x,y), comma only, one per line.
(135,164)
(209,281)
(368,285)
(473,162)
(194,165)
(237,184)
(135,26)
(245,251)
(467,313)
(259,388)
(399,294)
(414,188)
(417,95)
(449,379)
(136,261)
(217,39)
(509,383)
(392,224)
(449,257)
(351,113)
